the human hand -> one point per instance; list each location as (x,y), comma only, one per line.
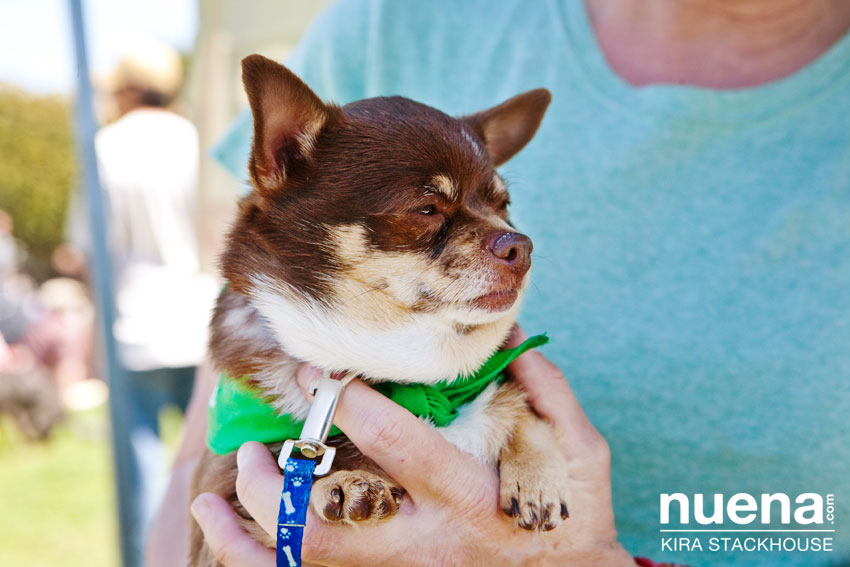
(451,513)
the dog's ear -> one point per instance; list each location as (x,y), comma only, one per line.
(508,127)
(287,118)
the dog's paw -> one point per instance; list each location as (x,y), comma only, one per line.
(536,501)
(356,496)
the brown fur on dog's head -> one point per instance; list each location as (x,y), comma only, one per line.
(377,238)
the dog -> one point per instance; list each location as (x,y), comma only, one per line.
(376,241)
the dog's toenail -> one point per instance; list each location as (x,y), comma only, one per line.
(514,507)
(398,495)
(564,512)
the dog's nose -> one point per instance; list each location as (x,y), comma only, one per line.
(513,249)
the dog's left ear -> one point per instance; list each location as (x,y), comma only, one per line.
(287,118)
(508,127)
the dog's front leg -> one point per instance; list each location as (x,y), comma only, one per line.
(533,474)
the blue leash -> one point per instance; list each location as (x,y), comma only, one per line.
(294,500)
(298,473)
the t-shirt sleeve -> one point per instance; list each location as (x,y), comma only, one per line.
(331,58)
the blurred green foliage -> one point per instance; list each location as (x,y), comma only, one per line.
(57,496)
(37,170)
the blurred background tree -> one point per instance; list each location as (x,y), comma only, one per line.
(37,170)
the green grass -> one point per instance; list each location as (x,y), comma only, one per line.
(57,503)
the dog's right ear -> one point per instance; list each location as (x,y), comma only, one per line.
(287,118)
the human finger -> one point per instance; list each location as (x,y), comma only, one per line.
(230,544)
(550,395)
(377,544)
(259,484)
(410,451)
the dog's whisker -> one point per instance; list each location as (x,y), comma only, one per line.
(361,294)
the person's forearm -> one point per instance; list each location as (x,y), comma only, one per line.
(193,436)
(168,540)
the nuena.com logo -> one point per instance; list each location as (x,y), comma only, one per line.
(744,522)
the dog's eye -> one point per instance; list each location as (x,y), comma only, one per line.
(504,205)
(428,210)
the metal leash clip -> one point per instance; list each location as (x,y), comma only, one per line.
(326,392)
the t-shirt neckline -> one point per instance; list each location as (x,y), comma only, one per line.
(817,79)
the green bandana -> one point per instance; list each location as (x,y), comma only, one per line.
(239,413)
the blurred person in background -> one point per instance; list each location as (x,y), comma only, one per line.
(48,326)
(148,163)
(62,337)
(19,306)
(29,392)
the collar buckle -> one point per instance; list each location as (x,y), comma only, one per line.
(326,392)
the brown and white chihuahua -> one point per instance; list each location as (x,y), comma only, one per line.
(377,241)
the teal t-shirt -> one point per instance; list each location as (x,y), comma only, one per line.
(691,250)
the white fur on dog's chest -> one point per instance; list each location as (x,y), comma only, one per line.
(475,430)
(419,351)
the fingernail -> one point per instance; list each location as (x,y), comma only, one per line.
(240,455)
(306,374)
(199,507)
